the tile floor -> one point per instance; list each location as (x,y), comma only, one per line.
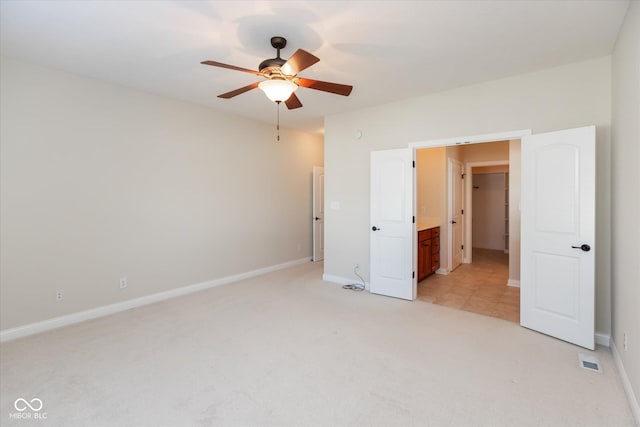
(479,287)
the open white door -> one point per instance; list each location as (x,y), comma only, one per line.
(455,213)
(558,235)
(318,213)
(392,227)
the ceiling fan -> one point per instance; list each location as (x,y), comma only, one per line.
(281,77)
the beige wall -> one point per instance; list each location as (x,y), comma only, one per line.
(486,152)
(565,97)
(625,167)
(99,181)
(455,152)
(432,193)
(491,169)
(431,185)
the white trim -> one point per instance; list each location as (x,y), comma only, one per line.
(450,184)
(70,319)
(603,339)
(475,139)
(319,256)
(626,384)
(442,271)
(513,282)
(343,280)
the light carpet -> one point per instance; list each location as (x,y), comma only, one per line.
(288,349)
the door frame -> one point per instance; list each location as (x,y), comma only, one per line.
(467,256)
(463,140)
(315,198)
(450,202)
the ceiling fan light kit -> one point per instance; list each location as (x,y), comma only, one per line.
(278,90)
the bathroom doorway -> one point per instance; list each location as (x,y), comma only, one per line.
(482,284)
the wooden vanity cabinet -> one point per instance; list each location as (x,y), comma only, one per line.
(428,252)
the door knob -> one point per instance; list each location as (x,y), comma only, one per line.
(584,247)
(374,228)
(453,222)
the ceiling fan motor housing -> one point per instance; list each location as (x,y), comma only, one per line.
(274,63)
(278,43)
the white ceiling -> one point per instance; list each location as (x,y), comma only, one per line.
(388,50)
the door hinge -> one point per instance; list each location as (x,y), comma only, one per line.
(462,211)
(414,163)
(414,219)
(463,175)
(462,246)
(413,275)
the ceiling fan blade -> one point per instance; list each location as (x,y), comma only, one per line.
(293,102)
(231,67)
(336,88)
(299,61)
(238,91)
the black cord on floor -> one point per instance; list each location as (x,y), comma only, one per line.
(355,286)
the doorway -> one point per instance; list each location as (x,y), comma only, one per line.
(558,227)
(480,283)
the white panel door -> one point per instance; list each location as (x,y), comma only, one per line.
(558,235)
(392,227)
(455,214)
(318,213)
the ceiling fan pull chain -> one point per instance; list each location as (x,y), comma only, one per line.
(278,120)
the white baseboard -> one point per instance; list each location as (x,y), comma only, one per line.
(70,319)
(442,271)
(513,282)
(626,384)
(343,280)
(603,339)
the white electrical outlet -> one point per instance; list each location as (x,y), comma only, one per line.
(625,344)
(123,282)
(357,266)
(59,295)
